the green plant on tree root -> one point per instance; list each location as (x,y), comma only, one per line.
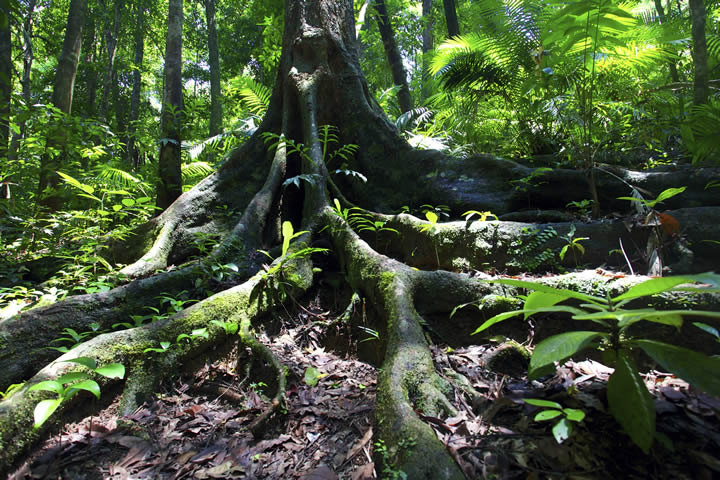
(630,402)
(565,417)
(70,384)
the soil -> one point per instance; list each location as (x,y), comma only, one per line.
(197,426)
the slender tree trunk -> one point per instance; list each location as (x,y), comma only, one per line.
(663,19)
(132,151)
(170,186)
(90,64)
(216,120)
(5,85)
(62,99)
(427,43)
(393,55)
(25,82)
(699,51)
(111,41)
(451,18)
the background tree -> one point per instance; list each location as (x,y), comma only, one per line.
(62,99)
(170,186)
(451,19)
(393,56)
(699,51)
(216,111)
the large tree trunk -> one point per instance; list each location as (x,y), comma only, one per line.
(62,99)
(216,113)
(699,51)
(319,82)
(451,18)
(393,55)
(170,186)
(132,151)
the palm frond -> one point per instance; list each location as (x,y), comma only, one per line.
(196,169)
(116,175)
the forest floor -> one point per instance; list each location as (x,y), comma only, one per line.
(197,426)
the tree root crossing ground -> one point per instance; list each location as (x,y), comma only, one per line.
(407,272)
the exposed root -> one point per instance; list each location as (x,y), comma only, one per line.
(264,354)
(144,370)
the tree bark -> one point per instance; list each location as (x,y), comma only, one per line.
(393,55)
(132,151)
(111,41)
(62,99)
(25,81)
(451,18)
(427,43)
(699,51)
(170,186)
(216,113)
(5,86)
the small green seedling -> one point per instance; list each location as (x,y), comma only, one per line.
(231,328)
(564,427)
(68,385)
(164,346)
(573,244)
(482,216)
(664,195)
(197,333)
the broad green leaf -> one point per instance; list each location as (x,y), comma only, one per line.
(73,377)
(497,319)
(128,202)
(87,385)
(48,386)
(548,289)
(697,369)
(562,430)
(574,415)
(287,234)
(542,403)
(44,409)
(313,376)
(663,284)
(665,318)
(547,415)
(116,208)
(630,402)
(84,361)
(112,370)
(665,194)
(560,347)
(707,328)
(563,251)
(505,315)
(540,300)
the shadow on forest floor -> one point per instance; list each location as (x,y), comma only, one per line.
(197,427)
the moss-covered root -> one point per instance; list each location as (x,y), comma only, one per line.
(144,369)
(409,384)
(264,354)
(23,338)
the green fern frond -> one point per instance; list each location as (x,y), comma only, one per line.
(253,94)
(116,175)
(196,169)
